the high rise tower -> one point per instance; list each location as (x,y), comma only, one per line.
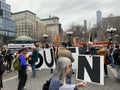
(99,18)
(7,26)
(85,25)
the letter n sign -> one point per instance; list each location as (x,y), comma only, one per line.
(90,69)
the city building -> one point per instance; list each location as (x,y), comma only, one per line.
(85,25)
(111,22)
(25,23)
(99,18)
(40,29)
(7,26)
(53,27)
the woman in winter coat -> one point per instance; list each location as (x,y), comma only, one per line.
(58,81)
(103,52)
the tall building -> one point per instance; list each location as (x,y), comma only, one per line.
(85,25)
(53,27)
(40,29)
(111,22)
(7,26)
(25,23)
(99,18)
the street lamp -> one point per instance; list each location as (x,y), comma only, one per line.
(111,31)
(69,34)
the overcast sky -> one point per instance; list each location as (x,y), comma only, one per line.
(69,11)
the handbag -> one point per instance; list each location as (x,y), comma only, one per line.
(46,84)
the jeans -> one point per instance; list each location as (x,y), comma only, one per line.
(105,69)
(117,68)
(33,69)
(22,78)
(9,64)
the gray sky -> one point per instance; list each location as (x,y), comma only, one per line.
(69,11)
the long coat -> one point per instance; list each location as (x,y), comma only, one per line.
(116,57)
(1,62)
(63,52)
(103,52)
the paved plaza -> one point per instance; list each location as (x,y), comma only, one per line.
(11,81)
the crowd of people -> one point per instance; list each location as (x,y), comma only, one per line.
(61,78)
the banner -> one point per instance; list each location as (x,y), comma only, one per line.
(91,69)
(88,68)
(16,47)
(46,59)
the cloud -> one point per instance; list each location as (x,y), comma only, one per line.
(68,11)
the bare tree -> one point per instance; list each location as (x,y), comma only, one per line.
(78,31)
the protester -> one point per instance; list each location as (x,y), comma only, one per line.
(102,51)
(16,56)
(116,57)
(22,71)
(64,52)
(7,53)
(1,71)
(90,50)
(110,50)
(63,68)
(34,58)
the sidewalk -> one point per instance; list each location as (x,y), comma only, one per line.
(11,81)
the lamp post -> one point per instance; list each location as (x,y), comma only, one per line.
(69,34)
(111,31)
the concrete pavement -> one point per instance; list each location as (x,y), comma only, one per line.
(11,82)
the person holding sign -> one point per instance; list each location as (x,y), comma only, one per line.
(58,81)
(116,57)
(63,52)
(103,52)
(90,50)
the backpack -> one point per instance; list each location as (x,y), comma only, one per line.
(46,84)
(109,59)
(16,64)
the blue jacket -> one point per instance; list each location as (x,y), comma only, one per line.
(22,60)
(55,84)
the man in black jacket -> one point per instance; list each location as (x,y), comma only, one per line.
(1,71)
(116,57)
